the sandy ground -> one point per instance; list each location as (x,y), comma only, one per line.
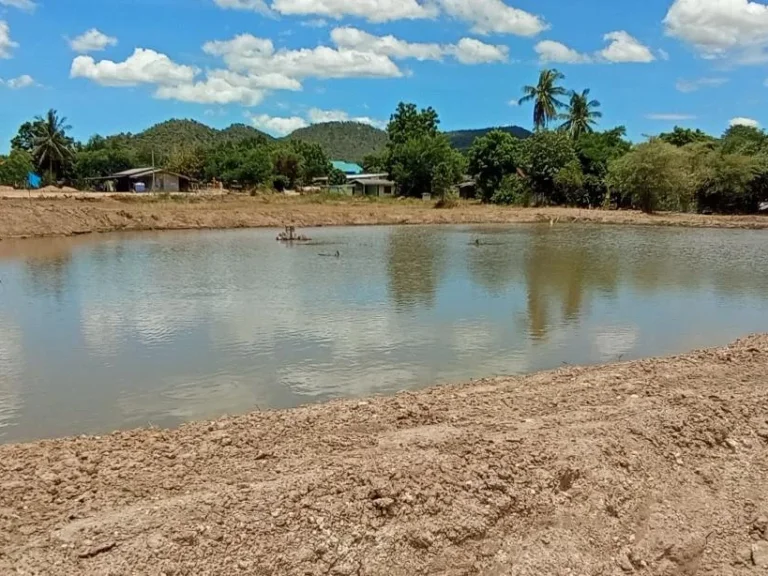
(85,213)
(655,467)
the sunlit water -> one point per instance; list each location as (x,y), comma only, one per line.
(120,331)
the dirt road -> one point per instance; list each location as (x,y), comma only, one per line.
(656,467)
(93,213)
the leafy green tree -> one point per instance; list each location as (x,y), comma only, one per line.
(187,160)
(545,97)
(543,156)
(513,190)
(256,166)
(744,140)
(337,177)
(653,176)
(314,162)
(491,158)
(447,173)
(288,164)
(25,138)
(569,184)
(581,115)
(52,147)
(408,122)
(684,136)
(726,183)
(595,152)
(95,163)
(375,163)
(15,168)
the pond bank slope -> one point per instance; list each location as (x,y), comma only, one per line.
(82,215)
(651,467)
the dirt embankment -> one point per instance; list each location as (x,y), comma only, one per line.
(656,467)
(82,215)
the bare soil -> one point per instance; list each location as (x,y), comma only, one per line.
(654,467)
(84,213)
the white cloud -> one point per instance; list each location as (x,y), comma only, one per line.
(670,117)
(318,116)
(251,5)
(717,27)
(471,51)
(686,86)
(371,10)
(466,51)
(226,87)
(621,48)
(316,23)
(27,5)
(276,125)
(258,56)
(740,121)
(514,102)
(494,17)
(6,44)
(142,67)
(551,51)
(23,81)
(92,41)
(663,54)
(624,48)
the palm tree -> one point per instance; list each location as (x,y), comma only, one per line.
(544,96)
(51,143)
(581,115)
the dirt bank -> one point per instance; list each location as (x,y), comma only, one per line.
(652,467)
(81,215)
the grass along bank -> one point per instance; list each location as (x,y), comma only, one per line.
(83,214)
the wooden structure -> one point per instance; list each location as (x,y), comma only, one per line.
(372,187)
(148,180)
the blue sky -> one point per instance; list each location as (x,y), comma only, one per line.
(123,65)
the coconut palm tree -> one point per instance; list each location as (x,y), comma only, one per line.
(544,96)
(51,143)
(581,115)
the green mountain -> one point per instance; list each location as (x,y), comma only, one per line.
(463,139)
(348,141)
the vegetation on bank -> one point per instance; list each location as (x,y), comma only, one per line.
(565,161)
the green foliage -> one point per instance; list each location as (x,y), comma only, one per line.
(15,168)
(491,158)
(337,177)
(314,162)
(544,155)
(52,149)
(348,141)
(569,184)
(545,97)
(25,138)
(653,176)
(744,140)
(728,182)
(684,136)
(595,152)
(418,157)
(288,164)
(464,139)
(581,115)
(513,190)
(375,163)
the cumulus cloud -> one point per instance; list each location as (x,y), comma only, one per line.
(621,48)
(6,44)
(717,27)
(318,116)
(371,10)
(251,5)
(226,87)
(670,117)
(276,125)
(142,67)
(23,81)
(247,53)
(92,41)
(27,5)
(466,51)
(551,51)
(624,48)
(494,17)
(741,121)
(686,86)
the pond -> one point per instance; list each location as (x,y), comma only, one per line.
(109,332)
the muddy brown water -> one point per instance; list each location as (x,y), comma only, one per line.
(117,331)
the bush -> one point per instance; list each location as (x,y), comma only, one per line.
(280,183)
(513,191)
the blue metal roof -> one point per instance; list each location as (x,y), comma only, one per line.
(347,167)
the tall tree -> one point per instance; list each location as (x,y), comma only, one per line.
(581,115)
(545,97)
(52,146)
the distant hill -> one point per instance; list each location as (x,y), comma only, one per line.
(348,141)
(463,139)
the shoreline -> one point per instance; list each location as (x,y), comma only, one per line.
(654,466)
(73,216)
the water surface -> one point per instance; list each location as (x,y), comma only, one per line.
(119,331)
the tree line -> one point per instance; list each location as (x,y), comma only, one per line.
(566,161)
